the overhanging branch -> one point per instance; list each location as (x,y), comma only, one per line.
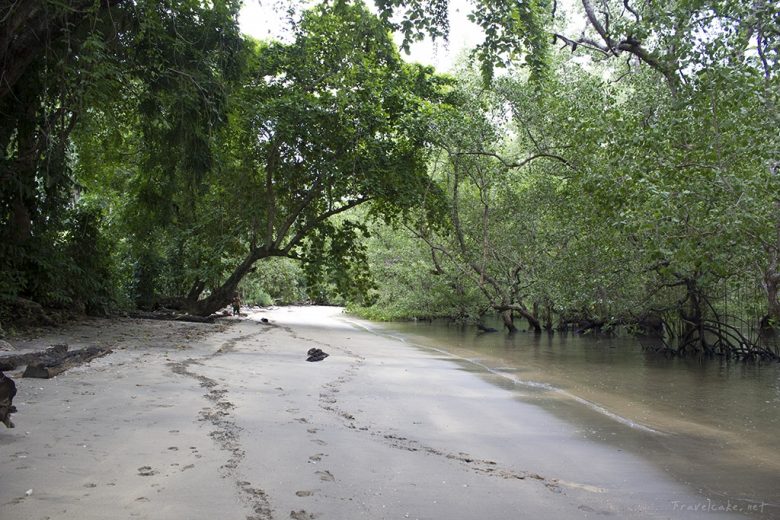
(518,164)
(305,230)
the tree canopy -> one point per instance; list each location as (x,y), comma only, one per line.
(330,122)
(620,173)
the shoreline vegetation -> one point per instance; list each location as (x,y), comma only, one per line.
(750,344)
(196,420)
(623,176)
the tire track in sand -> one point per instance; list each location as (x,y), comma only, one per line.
(226,433)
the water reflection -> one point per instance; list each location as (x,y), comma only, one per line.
(718,421)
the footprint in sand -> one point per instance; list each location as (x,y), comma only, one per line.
(301,515)
(325,476)
(304,493)
(313,430)
(320,442)
(598,512)
(146,471)
(555,488)
(317,457)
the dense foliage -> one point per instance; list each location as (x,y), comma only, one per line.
(70,68)
(641,192)
(628,175)
(203,151)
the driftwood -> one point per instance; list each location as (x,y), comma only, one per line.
(7,393)
(52,361)
(174,316)
(11,361)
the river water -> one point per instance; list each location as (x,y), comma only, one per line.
(713,426)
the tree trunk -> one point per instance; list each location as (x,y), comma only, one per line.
(197,289)
(223,295)
(506,317)
(533,323)
(531,317)
(21,221)
(772,275)
(506,311)
(772,288)
(24,169)
(692,316)
(548,324)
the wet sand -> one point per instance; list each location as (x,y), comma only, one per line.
(194,421)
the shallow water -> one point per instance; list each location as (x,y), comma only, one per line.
(714,426)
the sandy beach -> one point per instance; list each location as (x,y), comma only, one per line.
(229,421)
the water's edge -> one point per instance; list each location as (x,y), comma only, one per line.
(709,426)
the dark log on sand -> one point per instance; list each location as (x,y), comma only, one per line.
(10,362)
(52,361)
(49,367)
(7,393)
(174,316)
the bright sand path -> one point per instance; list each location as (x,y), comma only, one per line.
(191,421)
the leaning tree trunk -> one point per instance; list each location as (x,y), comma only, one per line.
(507,316)
(223,295)
(533,323)
(508,319)
(530,316)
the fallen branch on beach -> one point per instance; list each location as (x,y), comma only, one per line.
(174,316)
(7,393)
(52,361)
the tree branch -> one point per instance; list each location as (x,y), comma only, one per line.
(590,13)
(630,10)
(510,164)
(582,41)
(273,158)
(305,230)
(295,213)
(627,44)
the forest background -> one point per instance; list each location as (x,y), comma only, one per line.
(621,175)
